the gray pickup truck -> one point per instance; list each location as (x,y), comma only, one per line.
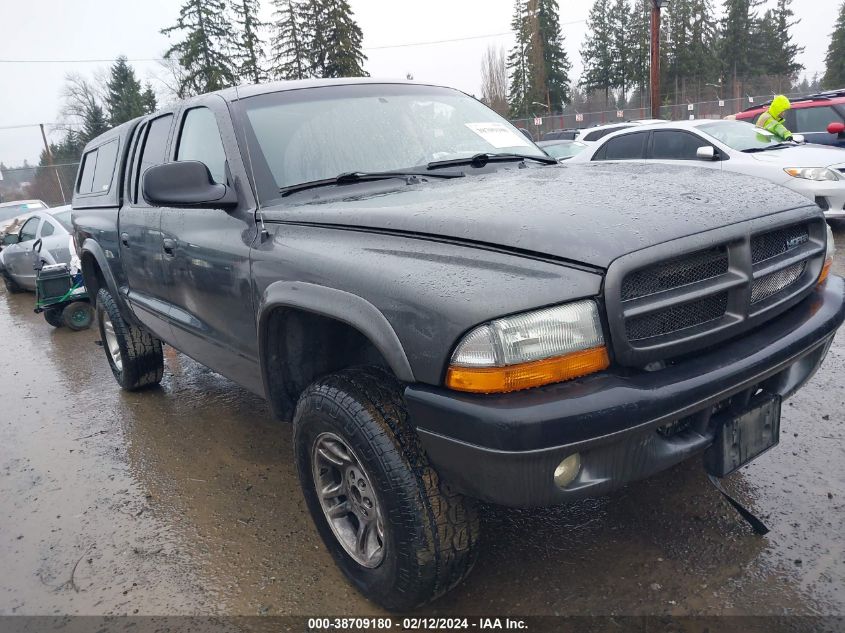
(445,313)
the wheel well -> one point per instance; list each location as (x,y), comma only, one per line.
(93,276)
(301,346)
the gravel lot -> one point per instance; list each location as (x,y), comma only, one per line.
(184,500)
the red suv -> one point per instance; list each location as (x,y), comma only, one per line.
(819,117)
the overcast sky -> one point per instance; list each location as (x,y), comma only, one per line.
(104,29)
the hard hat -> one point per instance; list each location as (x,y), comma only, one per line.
(780,104)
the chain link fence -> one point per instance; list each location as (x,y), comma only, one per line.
(570,118)
(51,183)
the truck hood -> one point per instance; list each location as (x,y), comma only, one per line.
(590,214)
(809,155)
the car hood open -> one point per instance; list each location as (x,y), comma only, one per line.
(589,214)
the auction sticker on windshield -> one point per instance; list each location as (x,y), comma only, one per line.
(498,135)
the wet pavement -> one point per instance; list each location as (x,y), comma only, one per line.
(184,500)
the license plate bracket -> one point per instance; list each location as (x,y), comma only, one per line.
(744,437)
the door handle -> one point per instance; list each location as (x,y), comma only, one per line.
(124,239)
(168,245)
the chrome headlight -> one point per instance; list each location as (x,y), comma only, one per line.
(530,349)
(812,173)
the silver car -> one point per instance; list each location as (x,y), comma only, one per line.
(815,171)
(17,261)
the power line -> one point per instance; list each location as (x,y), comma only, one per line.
(53,125)
(366,48)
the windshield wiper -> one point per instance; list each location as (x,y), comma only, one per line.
(754,150)
(351,177)
(480,160)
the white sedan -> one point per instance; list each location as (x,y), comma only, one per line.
(815,171)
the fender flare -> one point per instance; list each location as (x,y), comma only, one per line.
(334,304)
(92,247)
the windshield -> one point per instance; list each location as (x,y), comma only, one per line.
(564,150)
(740,136)
(319,133)
(13,210)
(64,219)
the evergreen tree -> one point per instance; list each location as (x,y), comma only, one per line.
(291,39)
(148,99)
(739,36)
(123,100)
(638,46)
(247,47)
(204,50)
(336,43)
(620,19)
(556,64)
(597,51)
(538,64)
(781,53)
(834,74)
(518,61)
(691,42)
(94,124)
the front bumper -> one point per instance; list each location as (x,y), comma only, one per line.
(504,448)
(830,196)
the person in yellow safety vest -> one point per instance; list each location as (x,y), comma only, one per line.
(772,119)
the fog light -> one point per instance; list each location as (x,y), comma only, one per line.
(567,470)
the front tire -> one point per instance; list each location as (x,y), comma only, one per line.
(53,316)
(11,285)
(134,355)
(360,463)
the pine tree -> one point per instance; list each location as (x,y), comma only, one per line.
(336,43)
(518,61)
(739,40)
(204,50)
(247,47)
(597,51)
(834,74)
(620,19)
(291,40)
(123,99)
(556,64)
(781,52)
(691,39)
(638,46)
(94,124)
(148,99)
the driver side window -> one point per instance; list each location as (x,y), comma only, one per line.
(29,229)
(200,140)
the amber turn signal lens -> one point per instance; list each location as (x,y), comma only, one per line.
(527,375)
(825,270)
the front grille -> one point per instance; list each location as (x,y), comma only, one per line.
(676,318)
(778,242)
(662,305)
(773,283)
(675,273)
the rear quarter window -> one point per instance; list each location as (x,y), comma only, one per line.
(86,172)
(97,170)
(625,147)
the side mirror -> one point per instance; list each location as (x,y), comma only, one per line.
(11,238)
(706,153)
(184,184)
(836,127)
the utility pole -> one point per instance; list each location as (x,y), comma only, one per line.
(46,145)
(656,6)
